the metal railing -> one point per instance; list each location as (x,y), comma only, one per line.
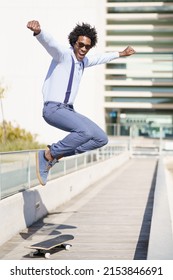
(18,172)
(156,139)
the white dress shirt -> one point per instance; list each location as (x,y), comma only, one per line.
(56,81)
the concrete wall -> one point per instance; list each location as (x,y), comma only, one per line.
(161,234)
(23,209)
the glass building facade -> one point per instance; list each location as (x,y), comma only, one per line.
(139,89)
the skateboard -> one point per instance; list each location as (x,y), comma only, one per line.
(44,247)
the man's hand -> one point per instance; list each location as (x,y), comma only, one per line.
(128,51)
(34,26)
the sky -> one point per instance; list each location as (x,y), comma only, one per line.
(24,62)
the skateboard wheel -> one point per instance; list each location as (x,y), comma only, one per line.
(47,256)
(67,247)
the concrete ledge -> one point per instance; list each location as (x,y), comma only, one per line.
(23,209)
(161,234)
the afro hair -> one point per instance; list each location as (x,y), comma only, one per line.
(83,30)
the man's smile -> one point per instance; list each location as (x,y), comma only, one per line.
(81,47)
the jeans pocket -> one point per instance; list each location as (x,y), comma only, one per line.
(50,108)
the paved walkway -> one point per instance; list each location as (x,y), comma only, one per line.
(110,220)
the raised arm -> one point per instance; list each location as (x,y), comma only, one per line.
(107,57)
(52,47)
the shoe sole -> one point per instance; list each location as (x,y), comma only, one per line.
(37,169)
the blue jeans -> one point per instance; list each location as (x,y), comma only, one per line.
(84,134)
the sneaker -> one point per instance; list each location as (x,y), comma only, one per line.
(43,166)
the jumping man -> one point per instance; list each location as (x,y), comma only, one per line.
(59,92)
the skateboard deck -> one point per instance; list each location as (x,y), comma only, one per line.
(44,247)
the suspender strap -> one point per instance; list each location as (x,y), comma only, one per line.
(67,95)
(68,91)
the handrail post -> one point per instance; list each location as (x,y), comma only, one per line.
(160,140)
(29,171)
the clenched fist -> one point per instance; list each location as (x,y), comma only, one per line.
(34,26)
(128,51)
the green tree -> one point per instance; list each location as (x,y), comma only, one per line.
(17,139)
(14,138)
(2,95)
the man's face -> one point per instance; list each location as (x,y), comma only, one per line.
(81,47)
